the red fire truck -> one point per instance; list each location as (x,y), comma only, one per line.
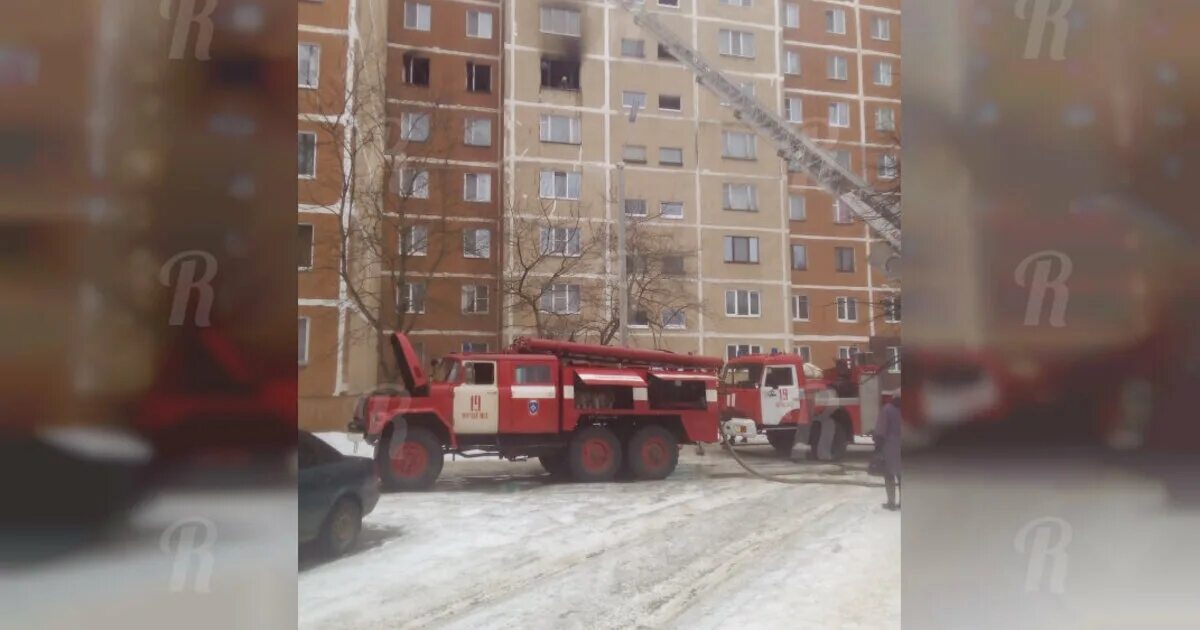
(585,411)
(788,400)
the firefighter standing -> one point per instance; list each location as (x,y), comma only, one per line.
(887,448)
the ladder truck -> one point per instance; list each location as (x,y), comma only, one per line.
(587,412)
(800,151)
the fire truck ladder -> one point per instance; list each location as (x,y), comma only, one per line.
(798,149)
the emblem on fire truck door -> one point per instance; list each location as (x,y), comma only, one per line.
(533,407)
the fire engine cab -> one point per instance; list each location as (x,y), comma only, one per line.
(792,401)
(585,411)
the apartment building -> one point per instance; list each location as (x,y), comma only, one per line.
(772,263)
(399,189)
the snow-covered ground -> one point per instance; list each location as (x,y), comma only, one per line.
(496,544)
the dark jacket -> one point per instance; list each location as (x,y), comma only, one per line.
(887,437)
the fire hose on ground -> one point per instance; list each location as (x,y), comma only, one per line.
(814,480)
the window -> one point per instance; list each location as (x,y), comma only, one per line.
(800,308)
(797,210)
(414,127)
(843,259)
(560,185)
(560,74)
(779,376)
(885,119)
(891,310)
(307,154)
(416,70)
(633,48)
(805,353)
(671,209)
(479,372)
(741,249)
(737,145)
(477,187)
(559,21)
(639,318)
(742,303)
(532,374)
(735,43)
(733,351)
(888,167)
(417,16)
(308,64)
(412,298)
(474,299)
(841,212)
(893,359)
(479,77)
(799,258)
(791,62)
(477,243)
(883,73)
(837,68)
(631,99)
(842,157)
(847,353)
(561,299)
(740,197)
(847,309)
(415,241)
(304,246)
(663,53)
(670,156)
(302,343)
(634,153)
(793,109)
(635,207)
(881,28)
(479,24)
(560,241)
(414,184)
(747,88)
(560,129)
(835,21)
(670,102)
(674,318)
(791,15)
(668,3)
(477,132)
(839,114)
(672,265)
(476,347)
(738,3)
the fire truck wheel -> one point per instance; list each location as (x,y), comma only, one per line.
(783,441)
(594,455)
(653,453)
(413,464)
(556,465)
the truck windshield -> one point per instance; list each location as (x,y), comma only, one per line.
(741,375)
(447,372)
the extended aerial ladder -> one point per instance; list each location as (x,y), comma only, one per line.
(797,149)
(570,350)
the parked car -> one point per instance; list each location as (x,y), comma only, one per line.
(335,492)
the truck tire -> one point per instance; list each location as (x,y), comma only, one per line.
(341,527)
(556,465)
(594,455)
(653,453)
(783,441)
(414,464)
(837,449)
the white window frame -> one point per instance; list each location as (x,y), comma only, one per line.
(478,251)
(738,3)
(888,166)
(409,298)
(881,28)
(727,197)
(837,260)
(848,353)
(893,359)
(792,256)
(732,349)
(882,77)
(473,74)
(547,126)
(479,22)
(628,97)
(733,43)
(836,111)
(668,322)
(729,249)
(663,210)
(314,66)
(313,174)
(629,153)
(847,307)
(663,162)
(793,109)
(794,201)
(835,21)
(477,187)
(791,15)
(414,241)
(804,352)
(569,21)
(739,145)
(572,182)
(419,185)
(880,119)
(797,300)
(560,241)
(413,10)
(409,123)
(639,48)
(841,213)
(472,299)
(312,247)
(470,128)
(474,347)
(560,299)
(306,323)
(668,109)
(753,303)
(837,68)
(889,311)
(792,64)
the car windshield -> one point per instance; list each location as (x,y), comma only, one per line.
(741,375)
(447,372)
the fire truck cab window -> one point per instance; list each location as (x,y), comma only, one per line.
(448,372)
(742,375)
(532,374)
(479,373)
(779,377)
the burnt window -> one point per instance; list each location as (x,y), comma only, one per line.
(416,70)
(560,74)
(479,77)
(663,53)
